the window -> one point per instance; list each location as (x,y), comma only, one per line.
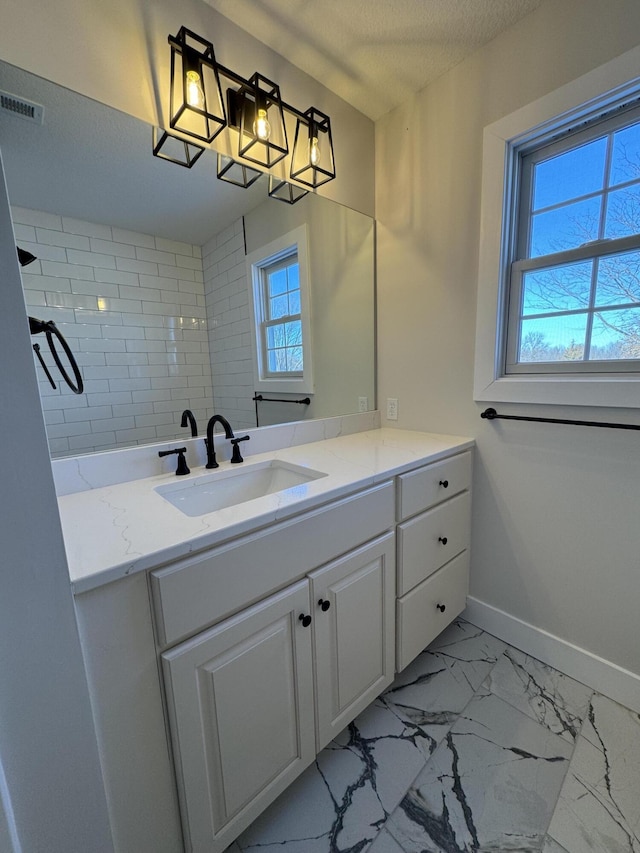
(558,311)
(574,290)
(281,323)
(280,298)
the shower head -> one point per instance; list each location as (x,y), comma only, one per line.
(25,257)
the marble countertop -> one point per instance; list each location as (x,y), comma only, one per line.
(114,531)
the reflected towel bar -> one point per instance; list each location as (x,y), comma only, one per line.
(258,398)
(491,414)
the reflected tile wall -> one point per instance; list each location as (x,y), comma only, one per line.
(132,308)
(229,319)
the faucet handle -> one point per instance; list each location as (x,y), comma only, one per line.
(235,456)
(182,462)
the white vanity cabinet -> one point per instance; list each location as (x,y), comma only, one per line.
(434,506)
(210,693)
(252,699)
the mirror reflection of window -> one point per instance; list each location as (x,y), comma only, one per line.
(281,314)
(281,328)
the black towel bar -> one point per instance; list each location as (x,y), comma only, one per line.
(491,414)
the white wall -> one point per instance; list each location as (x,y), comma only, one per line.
(132,307)
(555,537)
(48,751)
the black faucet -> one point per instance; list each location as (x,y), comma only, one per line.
(182,462)
(187,415)
(228,433)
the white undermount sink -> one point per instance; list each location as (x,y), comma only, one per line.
(222,489)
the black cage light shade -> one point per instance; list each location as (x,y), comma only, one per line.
(260,120)
(236,173)
(196,103)
(285,191)
(312,160)
(175,149)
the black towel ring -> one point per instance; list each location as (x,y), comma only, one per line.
(50,330)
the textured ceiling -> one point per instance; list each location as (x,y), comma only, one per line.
(374,53)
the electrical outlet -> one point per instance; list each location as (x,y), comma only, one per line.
(363,404)
(392,408)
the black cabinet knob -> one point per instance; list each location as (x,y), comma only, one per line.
(441,607)
(444,484)
(443,539)
(324,604)
(306,620)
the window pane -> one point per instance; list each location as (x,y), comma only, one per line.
(562,288)
(277,361)
(275,336)
(278,307)
(618,279)
(625,161)
(616,334)
(570,175)
(293,333)
(294,358)
(294,302)
(565,228)
(623,212)
(553,338)
(294,276)
(277,282)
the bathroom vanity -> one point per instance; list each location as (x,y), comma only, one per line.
(225,650)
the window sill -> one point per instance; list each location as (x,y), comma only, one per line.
(617,391)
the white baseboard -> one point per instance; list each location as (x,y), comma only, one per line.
(605,677)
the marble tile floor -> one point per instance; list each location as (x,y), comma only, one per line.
(475,748)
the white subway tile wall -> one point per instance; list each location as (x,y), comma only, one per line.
(132,307)
(229,320)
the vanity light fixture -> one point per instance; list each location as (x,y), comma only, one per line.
(312,160)
(285,191)
(236,173)
(254,108)
(173,148)
(196,103)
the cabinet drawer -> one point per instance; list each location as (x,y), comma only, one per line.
(199,591)
(430,540)
(427,610)
(428,486)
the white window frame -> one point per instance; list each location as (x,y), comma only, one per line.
(294,242)
(614,83)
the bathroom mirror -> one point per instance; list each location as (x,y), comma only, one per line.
(141,264)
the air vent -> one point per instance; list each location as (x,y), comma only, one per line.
(21,108)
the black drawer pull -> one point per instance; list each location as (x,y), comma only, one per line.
(444,484)
(324,604)
(443,539)
(306,620)
(441,607)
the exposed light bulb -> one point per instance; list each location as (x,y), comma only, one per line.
(314,151)
(261,126)
(195,92)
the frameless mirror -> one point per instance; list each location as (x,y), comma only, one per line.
(142,265)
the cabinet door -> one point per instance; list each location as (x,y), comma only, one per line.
(240,700)
(355,635)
